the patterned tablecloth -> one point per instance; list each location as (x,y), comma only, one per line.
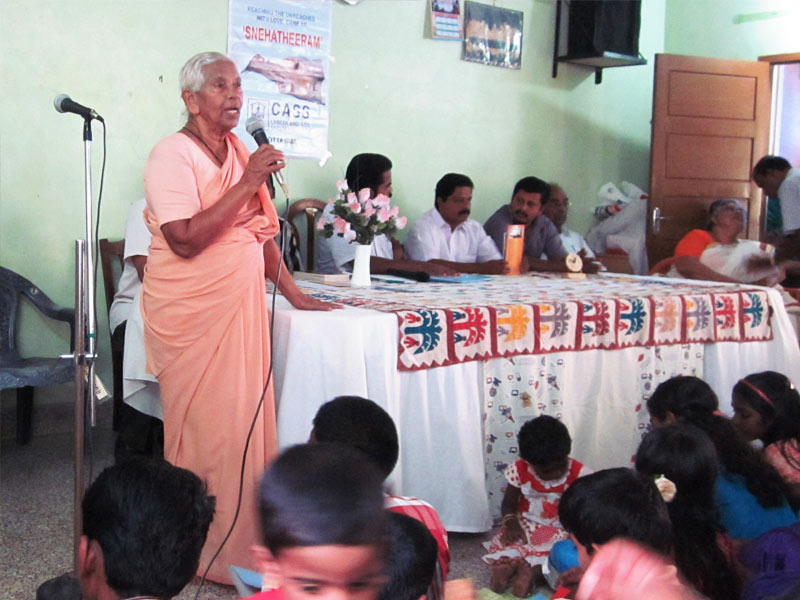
(442,324)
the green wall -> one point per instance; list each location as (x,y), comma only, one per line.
(737,29)
(393,91)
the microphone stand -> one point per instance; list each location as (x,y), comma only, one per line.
(83,355)
(86,335)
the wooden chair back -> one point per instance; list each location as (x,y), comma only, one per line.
(110,251)
(311,208)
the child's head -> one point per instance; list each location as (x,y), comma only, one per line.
(685,455)
(145,522)
(614,503)
(766,406)
(411,560)
(681,398)
(544,443)
(323,522)
(360,423)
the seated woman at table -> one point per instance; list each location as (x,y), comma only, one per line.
(717,254)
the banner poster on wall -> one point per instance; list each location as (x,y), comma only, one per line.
(282,50)
(492,36)
(446,20)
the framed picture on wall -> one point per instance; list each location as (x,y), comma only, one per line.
(446,20)
(492,35)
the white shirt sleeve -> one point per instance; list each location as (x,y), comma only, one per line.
(421,242)
(487,249)
(137,235)
(789,194)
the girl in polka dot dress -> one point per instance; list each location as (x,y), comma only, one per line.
(530,524)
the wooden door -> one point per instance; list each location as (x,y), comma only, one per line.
(710,126)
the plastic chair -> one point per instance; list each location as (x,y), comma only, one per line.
(109,253)
(310,207)
(25,374)
(663,266)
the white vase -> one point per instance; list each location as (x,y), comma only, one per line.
(360,276)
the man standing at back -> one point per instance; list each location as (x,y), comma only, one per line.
(778,179)
(447,236)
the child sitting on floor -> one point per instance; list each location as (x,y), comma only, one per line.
(323,525)
(411,562)
(611,504)
(530,524)
(750,495)
(362,424)
(766,407)
(704,553)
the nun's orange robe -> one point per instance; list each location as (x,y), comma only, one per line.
(207,337)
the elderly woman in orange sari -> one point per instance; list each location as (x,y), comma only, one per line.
(204,304)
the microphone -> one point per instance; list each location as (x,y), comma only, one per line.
(255,127)
(65,104)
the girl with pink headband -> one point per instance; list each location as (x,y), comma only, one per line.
(766,407)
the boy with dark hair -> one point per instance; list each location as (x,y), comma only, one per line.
(615,503)
(144,525)
(361,423)
(323,525)
(411,564)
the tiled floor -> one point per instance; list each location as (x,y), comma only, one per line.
(36,501)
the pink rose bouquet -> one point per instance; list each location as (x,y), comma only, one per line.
(359,218)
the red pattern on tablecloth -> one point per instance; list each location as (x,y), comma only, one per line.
(444,324)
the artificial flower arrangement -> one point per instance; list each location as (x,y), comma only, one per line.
(359,218)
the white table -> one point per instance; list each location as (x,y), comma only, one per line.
(439,412)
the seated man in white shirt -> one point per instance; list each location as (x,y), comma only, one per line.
(447,236)
(336,255)
(556,208)
(140,433)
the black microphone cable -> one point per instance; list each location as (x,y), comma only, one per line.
(282,247)
(87,428)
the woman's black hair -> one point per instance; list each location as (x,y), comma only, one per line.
(691,400)
(781,413)
(685,455)
(322,494)
(544,440)
(685,396)
(614,503)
